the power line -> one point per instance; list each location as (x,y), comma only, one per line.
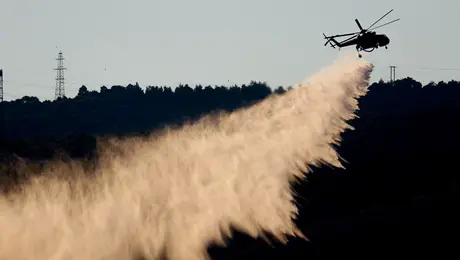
(432,68)
(427,68)
(38,85)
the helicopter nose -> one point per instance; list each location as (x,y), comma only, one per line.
(385,40)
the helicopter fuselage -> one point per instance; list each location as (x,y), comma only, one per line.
(371,41)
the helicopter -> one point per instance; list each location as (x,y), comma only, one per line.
(365,40)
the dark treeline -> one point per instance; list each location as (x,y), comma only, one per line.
(120,110)
(399,190)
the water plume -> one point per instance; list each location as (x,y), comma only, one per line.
(176,191)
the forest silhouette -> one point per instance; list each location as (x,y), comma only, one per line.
(399,190)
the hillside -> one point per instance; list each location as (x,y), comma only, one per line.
(400,185)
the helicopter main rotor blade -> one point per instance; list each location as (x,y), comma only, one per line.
(379,19)
(385,24)
(359,25)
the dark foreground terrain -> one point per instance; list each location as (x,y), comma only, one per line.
(399,194)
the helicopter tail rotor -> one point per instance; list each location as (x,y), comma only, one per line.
(328,41)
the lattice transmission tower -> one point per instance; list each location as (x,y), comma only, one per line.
(1,86)
(60,90)
(392,74)
(2,111)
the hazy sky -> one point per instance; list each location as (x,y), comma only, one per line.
(165,42)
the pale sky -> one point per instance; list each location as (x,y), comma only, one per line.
(165,42)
